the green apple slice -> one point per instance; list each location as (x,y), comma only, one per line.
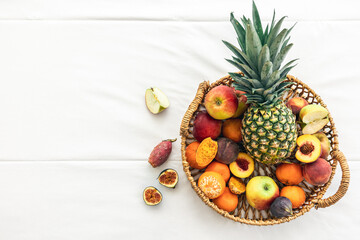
(313,112)
(156,101)
(315,126)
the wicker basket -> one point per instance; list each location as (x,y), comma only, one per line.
(244,213)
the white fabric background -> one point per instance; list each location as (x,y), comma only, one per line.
(75,134)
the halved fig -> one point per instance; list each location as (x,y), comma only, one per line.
(169,178)
(309,148)
(243,166)
(152,196)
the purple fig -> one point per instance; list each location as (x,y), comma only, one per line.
(281,207)
(161,152)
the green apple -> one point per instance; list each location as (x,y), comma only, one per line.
(261,191)
(156,101)
(313,112)
(313,117)
(314,126)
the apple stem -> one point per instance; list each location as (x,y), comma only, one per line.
(170,140)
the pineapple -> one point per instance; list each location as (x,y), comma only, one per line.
(269,127)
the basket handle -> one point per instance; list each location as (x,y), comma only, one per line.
(192,108)
(345,179)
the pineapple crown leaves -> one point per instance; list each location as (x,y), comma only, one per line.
(259,58)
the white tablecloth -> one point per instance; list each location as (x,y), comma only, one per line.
(75,134)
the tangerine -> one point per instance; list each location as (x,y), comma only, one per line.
(289,173)
(227,201)
(212,184)
(221,168)
(295,194)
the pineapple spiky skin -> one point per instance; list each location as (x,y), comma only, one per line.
(269,127)
(269,134)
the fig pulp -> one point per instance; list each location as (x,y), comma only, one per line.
(169,178)
(161,152)
(281,207)
(152,196)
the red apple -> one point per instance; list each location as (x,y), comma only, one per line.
(221,102)
(261,191)
(205,126)
(325,144)
(242,106)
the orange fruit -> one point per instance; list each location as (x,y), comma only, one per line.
(289,173)
(206,152)
(221,168)
(212,184)
(190,154)
(236,185)
(295,194)
(227,201)
(232,129)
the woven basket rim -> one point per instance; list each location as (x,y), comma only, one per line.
(315,202)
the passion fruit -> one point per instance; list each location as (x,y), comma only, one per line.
(152,196)
(168,178)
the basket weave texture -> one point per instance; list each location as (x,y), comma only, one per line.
(244,213)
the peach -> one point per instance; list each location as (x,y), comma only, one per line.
(236,185)
(309,148)
(318,172)
(232,129)
(242,106)
(325,144)
(243,166)
(221,102)
(296,104)
(205,126)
